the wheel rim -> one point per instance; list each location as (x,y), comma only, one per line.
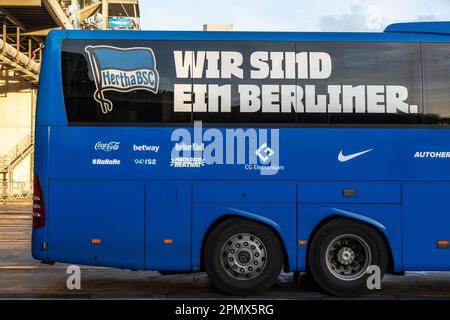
(243,256)
(348,257)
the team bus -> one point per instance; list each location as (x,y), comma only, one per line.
(244,154)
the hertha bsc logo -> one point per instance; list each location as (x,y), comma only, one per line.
(122,70)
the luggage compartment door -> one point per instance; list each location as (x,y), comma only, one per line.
(97,223)
(168,221)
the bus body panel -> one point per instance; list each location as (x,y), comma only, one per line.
(245,192)
(168,225)
(426,220)
(97,223)
(50,99)
(41,154)
(349,192)
(309,154)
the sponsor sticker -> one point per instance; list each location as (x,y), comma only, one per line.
(122,70)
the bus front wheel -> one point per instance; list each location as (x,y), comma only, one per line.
(340,253)
(242,257)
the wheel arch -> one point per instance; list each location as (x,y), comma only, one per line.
(374,226)
(262,220)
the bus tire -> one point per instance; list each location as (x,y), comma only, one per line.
(340,253)
(306,282)
(243,257)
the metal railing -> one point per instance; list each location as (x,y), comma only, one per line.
(19,53)
(9,161)
(16,190)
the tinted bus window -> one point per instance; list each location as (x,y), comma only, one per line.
(316,83)
(242,82)
(436,70)
(378,83)
(120,90)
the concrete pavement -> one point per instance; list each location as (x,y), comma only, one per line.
(23,277)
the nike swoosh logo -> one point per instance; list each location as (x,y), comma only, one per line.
(343,158)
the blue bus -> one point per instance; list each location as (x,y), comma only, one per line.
(243,154)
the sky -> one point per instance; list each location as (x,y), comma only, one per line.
(289,15)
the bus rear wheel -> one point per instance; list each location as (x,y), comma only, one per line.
(340,253)
(242,257)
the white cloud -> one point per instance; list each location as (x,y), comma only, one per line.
(290,15)
(357,19)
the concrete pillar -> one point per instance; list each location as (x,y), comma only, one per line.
(105,13)
(75,14)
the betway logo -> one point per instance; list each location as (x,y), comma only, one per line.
(145,147)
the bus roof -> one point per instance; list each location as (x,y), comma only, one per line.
(438,27)
(399,32)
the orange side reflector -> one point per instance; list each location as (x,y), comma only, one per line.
(302,242)
(168,241)
(96,241)
(443,244)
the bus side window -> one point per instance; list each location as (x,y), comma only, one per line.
(436,71)
(356,68)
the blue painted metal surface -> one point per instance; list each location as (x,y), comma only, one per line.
(49,102)
(362,192)
(109,211)
(306,153)
(425,221)
(431,28)
(168,217)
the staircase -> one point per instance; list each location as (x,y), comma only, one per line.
(13,158)
(15,190)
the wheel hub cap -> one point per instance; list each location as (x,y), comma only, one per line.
(244,256)
(348,256)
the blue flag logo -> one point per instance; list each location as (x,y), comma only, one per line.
(122,70)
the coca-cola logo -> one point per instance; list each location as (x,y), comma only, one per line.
(107,146)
